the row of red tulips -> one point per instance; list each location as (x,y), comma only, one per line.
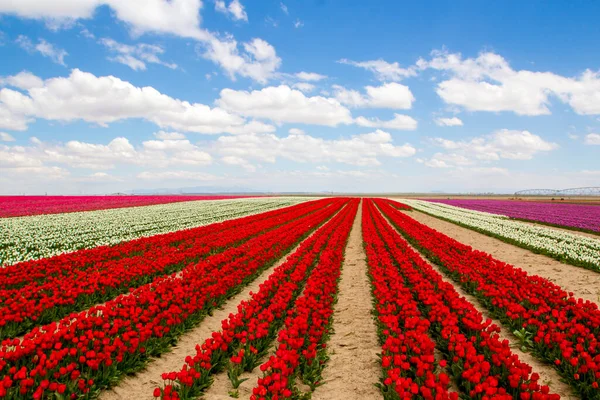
(301,352)
(408,357)
(18,275)
(556,326)
(91,350)
(97,275)
(245,336)
(482,365)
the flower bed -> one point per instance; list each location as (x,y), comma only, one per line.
(567,247)
(556,326)
(42,236)
(91,350)
(38,292)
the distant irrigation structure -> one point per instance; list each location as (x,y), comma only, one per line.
(582,191)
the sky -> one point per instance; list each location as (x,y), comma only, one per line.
(106,96)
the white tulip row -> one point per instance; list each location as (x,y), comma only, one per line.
(571,247)
(41,236)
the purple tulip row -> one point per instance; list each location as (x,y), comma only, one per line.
(579,216)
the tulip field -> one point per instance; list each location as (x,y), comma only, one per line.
(176,297)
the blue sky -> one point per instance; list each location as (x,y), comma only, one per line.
(102,96)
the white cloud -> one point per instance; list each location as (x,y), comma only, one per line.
(99,177)
(87,34)
(135,57)
(454,121)
(389,95)
(592,139)
(572,136)
(284,104)
(44,48)
(235,10)
(284,8)
(361,150)
(304,86)
(162,135)
(309,76)
(238,161)
(488,83)
(399,122)
(118,152)
(258,61)
(298,23)
(5,137)
(176,176)
(502,144)
(178,17)
(296,131)
(383,70)
(102,100)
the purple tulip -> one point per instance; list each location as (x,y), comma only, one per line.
(581,216)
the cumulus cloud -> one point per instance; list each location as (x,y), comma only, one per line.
(5,137)
(488,83)
(162,135)
(258,60)
(389,95)
(399,122)
(284,104)
(102,100)
(178,17)
(304,86)
(454,121)
(235,10)
(44,48)
(135,56)
(592,139)
(255,59)
(309,76)
(383,70)
(96,156)
(361,150)
(502,144)
(176,176)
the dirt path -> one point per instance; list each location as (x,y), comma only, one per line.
(582,282)
(141,385)
(353,368)
(548,375)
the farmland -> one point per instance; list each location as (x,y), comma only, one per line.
(297,298)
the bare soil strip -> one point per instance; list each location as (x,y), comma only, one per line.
(353,369)
(582,282)
(141,385)
(548,375)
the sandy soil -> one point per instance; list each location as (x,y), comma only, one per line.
(353,368)
(548,375)
(141,385)
(582,282)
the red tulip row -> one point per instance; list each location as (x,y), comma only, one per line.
(482,365)
(18,275)
(91,350)
(76,281)
(301,351)
(70,287)
(245,336)
(559,328)
(408,358)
